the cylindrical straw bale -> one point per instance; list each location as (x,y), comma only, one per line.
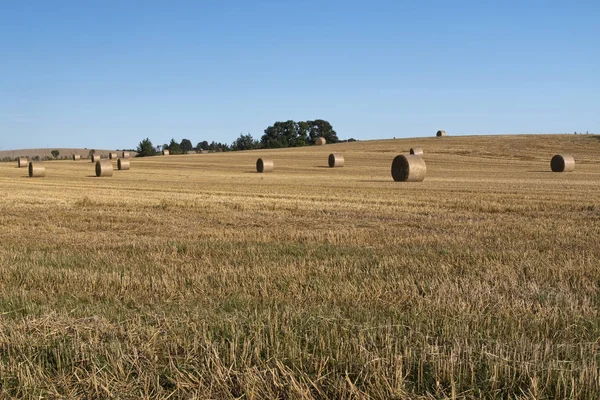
(37,170)
(22,162)
(123,165)
(441,133)
(408,168)
(562,163)
(76,157)
(264,165)
(165,152)
(104,168)
(336,160)
(417,151)
(125,154)
(112,155)
(320,141)
(95,157)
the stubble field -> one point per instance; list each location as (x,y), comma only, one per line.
(195,277)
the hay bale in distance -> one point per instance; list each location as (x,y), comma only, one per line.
(22,162)
(417,151)
(76,157)
(264,165)
(112,155)
(104,168)
(408,168)
(37,170)
(320,141)
(125,154)
(96,157)
(441,133)
(335,160)
(562,163)
(123,165)
(165,152)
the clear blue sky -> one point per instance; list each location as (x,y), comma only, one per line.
(106,74)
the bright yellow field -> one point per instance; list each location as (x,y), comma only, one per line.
(195,277)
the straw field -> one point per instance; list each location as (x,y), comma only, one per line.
(196,277)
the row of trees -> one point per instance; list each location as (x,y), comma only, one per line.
(146,148)
(280,134)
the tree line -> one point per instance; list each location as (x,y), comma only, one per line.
(278,135)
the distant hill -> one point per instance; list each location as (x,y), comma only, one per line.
(64,153)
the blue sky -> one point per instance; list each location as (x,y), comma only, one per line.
(107,74)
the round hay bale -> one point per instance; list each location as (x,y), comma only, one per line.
(408,168)
(264,165)
(95,157)
(22,162)
(320,141)
(123,165)
(104,168)
(562,163)
(37,170)
(336,160)
(125,154)
(76,157)
(165,152)
(441,133)
(417,151)
(112,155)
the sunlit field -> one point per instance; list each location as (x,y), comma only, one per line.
(196,277)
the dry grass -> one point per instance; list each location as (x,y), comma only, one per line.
(194,277)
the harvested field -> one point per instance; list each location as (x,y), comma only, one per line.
(194,276)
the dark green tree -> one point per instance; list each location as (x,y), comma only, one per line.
(55,153)
(321,128)
(203,145)
(281,134)
(245,142)
(186,145)
(144,149)
(174,147)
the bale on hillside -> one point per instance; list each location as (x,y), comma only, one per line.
(76,157)
(22,162)
(441,133)
(408,168)
(264,165)
(335,160)
(320,141)
(123,165)
(165,152)
(112,155)
(95,157)
(37,170)
(104,168)
(562,163)
(417,151)
(125,154)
